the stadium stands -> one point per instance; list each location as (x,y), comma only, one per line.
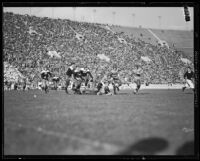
(28,39)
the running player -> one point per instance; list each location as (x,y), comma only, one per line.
(45,75)
(69,76)
(114,77)
(189,78)
(137,78)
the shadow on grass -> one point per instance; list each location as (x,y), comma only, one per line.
(186,149)
(149,146)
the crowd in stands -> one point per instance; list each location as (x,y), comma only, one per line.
(28,39)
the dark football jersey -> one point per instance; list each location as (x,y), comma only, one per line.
(86,73)
(45,74)
(189,75)
(69,72)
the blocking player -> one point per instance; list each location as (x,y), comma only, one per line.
(189,78)
(78,79)
(69,76)
(45,75)
(87,76)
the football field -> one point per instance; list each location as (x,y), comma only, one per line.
(154,122)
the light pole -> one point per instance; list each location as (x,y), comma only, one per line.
(94,11)
(159,21)
(133,19)
(113,17)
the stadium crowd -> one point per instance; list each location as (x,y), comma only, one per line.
(28,39)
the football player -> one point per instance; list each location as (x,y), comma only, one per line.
(189,79)
(45,75)
(114,77)
(78,79)
(137,78)
(69,76)
(87,76)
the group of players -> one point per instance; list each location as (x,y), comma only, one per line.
(99,85)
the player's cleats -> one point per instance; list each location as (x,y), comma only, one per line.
(109,94)
(134,92)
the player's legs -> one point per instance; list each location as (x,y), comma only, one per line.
(77,87)
(134,86)
(67,83)
(138,82)
(190,83)
(186,85)
(114,87)
(46,86)
(24,87)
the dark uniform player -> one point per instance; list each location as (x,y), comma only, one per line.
(55,80)
(78,79)
(86,75)
(45,75)
(69,76)
(188,76)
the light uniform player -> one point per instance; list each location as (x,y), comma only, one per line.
(137,79)
(69,76)
(45,75)
(189,76)
(116,82)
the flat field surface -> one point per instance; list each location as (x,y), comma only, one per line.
(154,122)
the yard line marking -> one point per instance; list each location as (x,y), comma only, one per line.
(89,146)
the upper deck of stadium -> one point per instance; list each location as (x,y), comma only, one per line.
(179,39)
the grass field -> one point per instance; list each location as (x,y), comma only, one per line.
(154,122)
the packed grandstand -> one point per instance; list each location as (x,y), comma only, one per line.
(32,43)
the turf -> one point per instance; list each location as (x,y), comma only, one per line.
(154,122)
